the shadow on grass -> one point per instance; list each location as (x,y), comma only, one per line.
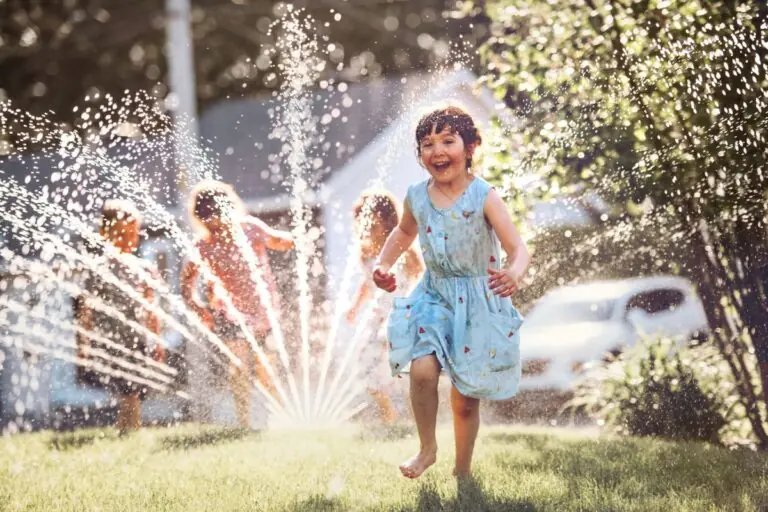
(624,467)
(317,504)
(206,438)
(75,440)
(470,497)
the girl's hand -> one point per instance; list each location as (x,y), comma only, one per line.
(503,282)
(384,279)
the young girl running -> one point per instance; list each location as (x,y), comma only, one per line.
(459,318)
(376,216)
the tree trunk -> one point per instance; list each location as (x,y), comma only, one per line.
(713,286)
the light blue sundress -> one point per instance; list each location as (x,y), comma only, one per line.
(452,312)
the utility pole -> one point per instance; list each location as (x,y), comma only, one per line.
(181,80)
(182,102)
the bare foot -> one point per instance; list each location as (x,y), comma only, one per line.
(416,465)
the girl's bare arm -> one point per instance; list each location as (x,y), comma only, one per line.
(518,256)
(274,239)
(189,289)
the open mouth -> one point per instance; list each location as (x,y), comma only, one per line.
(441,167)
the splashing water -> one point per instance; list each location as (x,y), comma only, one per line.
(54,179)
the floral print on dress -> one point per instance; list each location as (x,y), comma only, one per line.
(452,313)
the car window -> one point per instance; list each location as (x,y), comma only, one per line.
(657,301)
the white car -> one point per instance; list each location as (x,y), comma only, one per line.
(573,325)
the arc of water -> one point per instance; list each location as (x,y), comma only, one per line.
(158,285)
(256,276)
(330,344)
(39,270)
(66,250)
(92,263)
(146,198)
(95,265)
(144,372)
(23,309)
(272,404)
(297,48)
(346,358)
(65,356)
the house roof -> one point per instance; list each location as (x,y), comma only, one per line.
(344,119)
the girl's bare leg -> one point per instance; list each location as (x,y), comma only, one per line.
(425,373)
(263,375)
(384,403)
(466,423)
(239,382)
(128,412)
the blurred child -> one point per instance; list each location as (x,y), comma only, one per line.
(120,226)
(376,216)
(220,217)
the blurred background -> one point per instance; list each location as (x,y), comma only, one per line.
(628,140)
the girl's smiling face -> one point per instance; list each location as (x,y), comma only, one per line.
(445,155)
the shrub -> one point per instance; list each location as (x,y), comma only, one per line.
(660,388)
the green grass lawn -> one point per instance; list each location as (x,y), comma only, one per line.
(355,468)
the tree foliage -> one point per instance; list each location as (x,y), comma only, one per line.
(658,106)
(53,53)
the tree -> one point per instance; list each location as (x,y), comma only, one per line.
(658,107)
(53,53)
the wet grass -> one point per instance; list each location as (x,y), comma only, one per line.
(355,468)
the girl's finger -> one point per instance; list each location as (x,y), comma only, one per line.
(509,288)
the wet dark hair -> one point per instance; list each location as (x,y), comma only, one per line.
(211,199)
(380,206)
(455,119)
(115,210)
